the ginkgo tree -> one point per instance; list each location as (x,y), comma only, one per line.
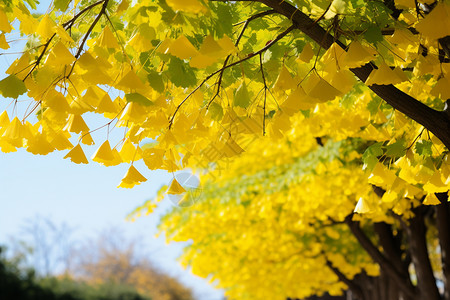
(245,89)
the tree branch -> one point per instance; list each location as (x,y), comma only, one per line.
(241,34)
(262,50)
(435,121)
(379,258)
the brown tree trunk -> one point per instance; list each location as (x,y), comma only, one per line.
(426,282)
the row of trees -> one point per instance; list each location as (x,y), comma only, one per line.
(108,267)
(322,127)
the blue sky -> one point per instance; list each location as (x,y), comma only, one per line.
(84,197)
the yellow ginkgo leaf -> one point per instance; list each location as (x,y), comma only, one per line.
(436,24)
(3,43)
(4,120)
(441,89)
(28,23)
(61,142)
(93,96)
(79,107)
(86,139)
(334,54)
(210,47)
(130,81)
(431,199)
(384,75)
(343,80)
(4,24)
(39,145)
(435,184)
(381,176)
(46,27)
(153,158)
(122,6)
(6,147)
(14,133)
(117,159)
(296,101)
(133,112)
(56,101)
(107,39)
(175,188)
(190,6)
(227,45)
(307,53)
(106,105)
(405,3)
(356,55)
(131,178)
(59,55)
(284,81)
(167,140)
(76,124)
(76,155)
(231,148)
(63,35)
(19,65)
(201,61)
(128,152)
(87,61)
(320,89)
(140,43)
(103,153)
(362,206)
(182,48)
(389,197)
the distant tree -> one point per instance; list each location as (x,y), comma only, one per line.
(17,284)
(111,259)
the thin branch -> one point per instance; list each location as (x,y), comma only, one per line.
(38,60)
(88,32)
(67,25)
(241,34)
(262,50)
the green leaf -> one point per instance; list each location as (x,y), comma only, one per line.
(61,4)
(374,105)
(424,148)
(32,3)
(241,96)
(156,81)
(373,34)
(370,156)
(180,73)
(138,98)
(396,149)
(216,111)
(12,87)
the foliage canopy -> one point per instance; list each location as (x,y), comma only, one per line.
(316,120)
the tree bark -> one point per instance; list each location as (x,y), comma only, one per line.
(391,249)
(386,265)
(443,226)
(438,122)
(417,240)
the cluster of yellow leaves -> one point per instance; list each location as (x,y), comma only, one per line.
(143,74)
